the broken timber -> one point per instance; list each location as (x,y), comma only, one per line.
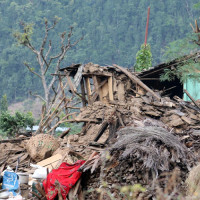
(137,80)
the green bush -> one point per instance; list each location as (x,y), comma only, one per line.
(143,58)
(11,124)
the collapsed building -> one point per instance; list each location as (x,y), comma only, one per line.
(138,131)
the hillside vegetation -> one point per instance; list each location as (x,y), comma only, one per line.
(113,33)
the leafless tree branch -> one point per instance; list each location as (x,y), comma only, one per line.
(31,70)
(36,95)
(47,29)
(29,45)
(45,58)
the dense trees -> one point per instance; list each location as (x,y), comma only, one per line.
(113,33)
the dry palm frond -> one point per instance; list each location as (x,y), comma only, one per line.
(154,147)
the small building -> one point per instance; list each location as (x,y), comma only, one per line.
(174,87)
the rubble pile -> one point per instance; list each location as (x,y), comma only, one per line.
(178,117)
(11,151)
(130,135)
(141,155)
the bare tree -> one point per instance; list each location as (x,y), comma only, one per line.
(44,54)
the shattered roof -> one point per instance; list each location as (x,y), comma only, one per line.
(159,69)
(72,69)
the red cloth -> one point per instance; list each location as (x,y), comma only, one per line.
(67,175)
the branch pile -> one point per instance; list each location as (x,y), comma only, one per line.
(154,148)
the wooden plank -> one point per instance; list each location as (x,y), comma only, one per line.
(83,93)
(85,127)
(110,88)
(104,93)
(71,85)
(63,93)
(64,133)
(40,190)
(187,120)
(14,140)
(78,77)
(96,88)
(88,87)
(96,84)
(121,92)
(101,130)
(137,81)
(51,162)
(100,84)
(97,74)
(77,186)
(82,120)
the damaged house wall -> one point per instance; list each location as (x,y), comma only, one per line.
(100,83)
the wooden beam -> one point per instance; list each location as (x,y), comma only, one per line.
(100,84)
(120,91)
(191,98)
(96,89)
(88,87)
(64,133)
(63,93)
(14,140)
(82,120)
(96,74)
(137,81)
(110,88)
(83,93)
(96,84)
(104,93)
(101,130)
(71,85)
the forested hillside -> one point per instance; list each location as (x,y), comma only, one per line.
(113,32)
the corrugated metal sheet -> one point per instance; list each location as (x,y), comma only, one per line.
(193,88)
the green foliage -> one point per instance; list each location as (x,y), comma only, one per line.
(190,67)
(24,37)
(181,47)
(4,103)
(143,58)
(11,124)
(197,5)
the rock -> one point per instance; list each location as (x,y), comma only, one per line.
(41,146)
